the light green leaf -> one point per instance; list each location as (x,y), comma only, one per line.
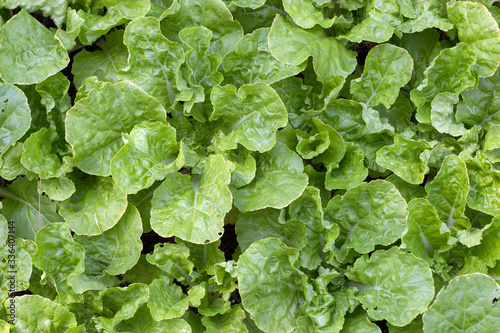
(359,322)
(426,233)
(467,304)
(30,211)
(346,117)
(387,69)
(150,153)
(253,4)
(314,145)
(293,45)
(104,63)
(488,250)
(428,14)
(15,115)
(142,201)
(441,76)
(16,266)
(481,105)
(55,9)
(38,157)
(230,322)
(21,65)
(278,181)
(267,279)
(52,91)
(154,62)
(448,190)
(405,158)
(105,115)
(117,13)
(491,146)
(174,260)
(143,272)
(306,15)
(351,170)
(167,300)
(244,166)
(163,8)
(373,29)
(252,115)
(252,226)
(479,30)
(59,257)
(392,285)
(193,207)
(115,251)
(252,62)
(368,214)
(36,314)
(73,26)
(58,189)
(122,303)
(144,322)
(442,114)
(484,194)
(95,207)
(336,148)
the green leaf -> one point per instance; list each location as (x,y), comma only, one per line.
(115,251)
(387,69)
(105,115)
(267,279)
(405,158)
(37,314)
(38,156)
(491,146)
(193,207)
(426,233)
(314,145)
(293,45)
(252,62)
(359,323)
(306,15)
(104,63)
(174,260)
(278,181)
(368,214)
(252,115)
(467,304)
(15,116)
(212,14)
(335,150)
(150,153)
(59,257)
(351,170)
(479,30)
(27,208)
(487,250)
(117,13)
(21,67)
(143,272)
(123,303)
(95,207)
(428,14)
(154,61)
(55,9)
(58,189)
(484,186)
(442,115)
(346,117)
(142,321)
(448,190)
(167,300)
(73,26)
(392,285)
(230,322)
(441,76)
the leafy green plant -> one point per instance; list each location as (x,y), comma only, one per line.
(250,166)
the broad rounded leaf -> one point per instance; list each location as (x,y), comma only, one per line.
(94,125)
(293,45)
(368,214)
(29,51)
(35,314)
(468,304)
(267,279)
(351,170)
(15,115)
(387,69)
(151,152)
(95,207)
(252,115)
(478,29)
(392,285)
(193,207)
(278,181)
(484,194)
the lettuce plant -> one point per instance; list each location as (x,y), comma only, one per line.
(250,166)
